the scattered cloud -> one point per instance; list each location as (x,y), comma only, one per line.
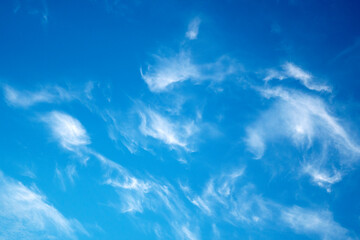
(308,122)
(168,71)
(290,70)
(67,130)
(322,177)
(225,198)
(25,214)
(138,194)
(157,126)
(47,94)
(193,29)
(143,127)
(230,199)
(27,99)
(65,175)
(315,222)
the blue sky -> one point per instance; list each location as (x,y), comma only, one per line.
(179,119)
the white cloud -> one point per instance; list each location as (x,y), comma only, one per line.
(255,143)
(313,222)
(193,29)
(27,98)
(305,78)
(170,70)
(188,234)
(231,200)
(67,130)
(224,198)
(307,117)
(308,122)
(290,70)
(25,214)
(322,177)
(157,126)
(138,194)
(273,74)
(64,175)
(46,94)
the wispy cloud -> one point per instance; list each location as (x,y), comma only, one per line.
(27,98)
(168,71)
(193,29)
(290,70)
(313,222)
(157,126)
(144,127)
(67,130)
(308,122)
(25,214)
(225,198)
(65,175)
(136,194)
(322,177)
(228,197)
(348,50)
(37,7)
(46,94)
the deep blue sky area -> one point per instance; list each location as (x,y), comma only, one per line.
(182,120)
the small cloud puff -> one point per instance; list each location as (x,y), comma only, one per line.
(67,130)
(193,28)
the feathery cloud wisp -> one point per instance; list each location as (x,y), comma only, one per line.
(157,126)
(25,213)
(313,222)
(168,71)
(307,121)
(193,29)
(290,70)
(27,98)
(67,130)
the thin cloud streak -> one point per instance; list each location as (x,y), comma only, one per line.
(49,94)
(313,222)
(27,99)
(25,213)
(290,70)
(230,199)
